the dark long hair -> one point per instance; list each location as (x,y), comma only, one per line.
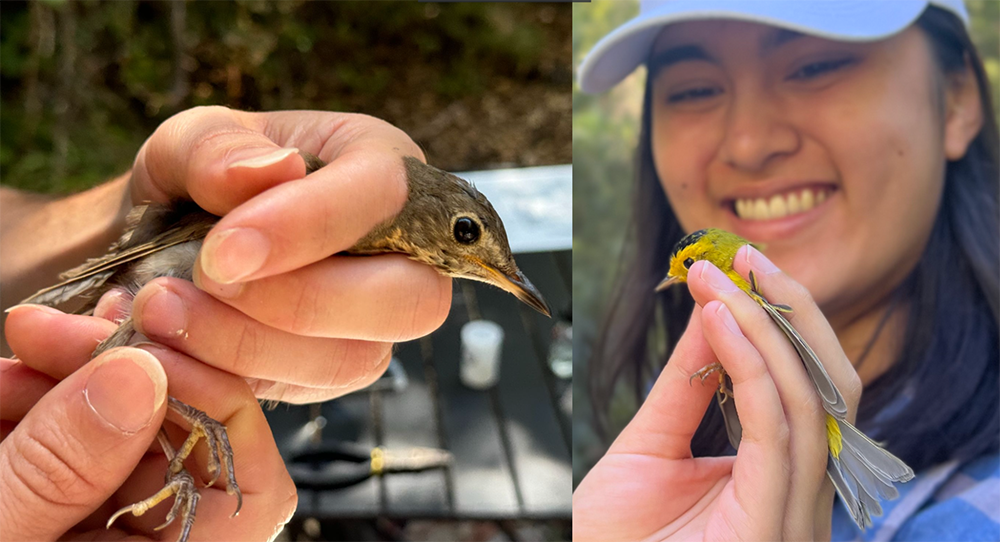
(944,384)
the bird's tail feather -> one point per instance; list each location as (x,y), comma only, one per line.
(863,474)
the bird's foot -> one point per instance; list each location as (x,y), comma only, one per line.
(706,371)
(181,485)
(220,453)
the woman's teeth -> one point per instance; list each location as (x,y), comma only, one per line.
(780,205)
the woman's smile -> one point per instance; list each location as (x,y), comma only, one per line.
(765,215)
(811,146)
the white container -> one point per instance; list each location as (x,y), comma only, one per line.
(482,342)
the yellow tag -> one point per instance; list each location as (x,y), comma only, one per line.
(378,460)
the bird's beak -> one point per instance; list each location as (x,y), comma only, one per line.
(523,289)
(519,285)
(667,283)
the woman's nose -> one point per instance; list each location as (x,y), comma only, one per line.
(757,131)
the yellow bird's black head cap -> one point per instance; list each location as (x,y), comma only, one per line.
(688,240)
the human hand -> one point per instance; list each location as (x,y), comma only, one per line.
(79,437)
(648,486)
(272,304)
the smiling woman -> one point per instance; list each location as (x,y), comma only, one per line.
(856,142)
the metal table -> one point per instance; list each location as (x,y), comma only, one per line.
(511,444)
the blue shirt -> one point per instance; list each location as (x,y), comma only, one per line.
(952,501)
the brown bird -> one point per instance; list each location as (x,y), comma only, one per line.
(445,223)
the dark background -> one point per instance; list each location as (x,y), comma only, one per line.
(477,85)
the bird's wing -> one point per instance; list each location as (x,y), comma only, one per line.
(850,494)
(833,401)
(68,289)
(880,461)
(93,273)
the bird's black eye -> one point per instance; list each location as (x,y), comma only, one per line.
(466,230)
(688,263)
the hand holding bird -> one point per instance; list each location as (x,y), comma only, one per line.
(444,222)
(73,408)
(777,486)
(861,470)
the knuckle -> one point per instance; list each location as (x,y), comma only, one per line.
(375,371)
(852,389)
(370,372)
(782,435)
(40,464)
(287,504)
(250,346)
(800,292)
(357,362)
(306,310)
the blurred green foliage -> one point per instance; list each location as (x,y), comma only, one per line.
(85,83)
(605,133)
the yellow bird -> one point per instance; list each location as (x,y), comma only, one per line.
(861,470)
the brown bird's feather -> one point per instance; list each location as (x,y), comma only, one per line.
(150,229)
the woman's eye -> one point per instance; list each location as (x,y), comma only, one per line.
(692,94)
(816,69)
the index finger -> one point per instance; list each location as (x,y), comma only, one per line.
(296,224)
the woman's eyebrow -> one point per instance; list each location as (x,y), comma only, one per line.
(773,40)
(664,59)
(768,43)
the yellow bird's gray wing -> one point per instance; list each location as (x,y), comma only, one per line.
(833,401)
(883,464)
(734,430)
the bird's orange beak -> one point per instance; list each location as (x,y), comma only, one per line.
(518,285)
(667,283)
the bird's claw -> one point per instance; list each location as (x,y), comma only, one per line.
(707,370)
(220,454)
(703,373)
(181,485)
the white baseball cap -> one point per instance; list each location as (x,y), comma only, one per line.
(628,46)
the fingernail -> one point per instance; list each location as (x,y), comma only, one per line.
(716,278)
(231,255)
(727,318)
(217,289)
(255,159)
(108,306)
(32,307)
(758,261)
(7,364)
(162,314)
(127,389)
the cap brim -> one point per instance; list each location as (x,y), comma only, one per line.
(628,46)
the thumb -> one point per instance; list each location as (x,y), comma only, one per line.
(215,156)
(79,443)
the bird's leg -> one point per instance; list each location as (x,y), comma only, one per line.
(724,392)
(180,484)
(706,371)
(179,481)
(120,337)
(218,447)
(202,426)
